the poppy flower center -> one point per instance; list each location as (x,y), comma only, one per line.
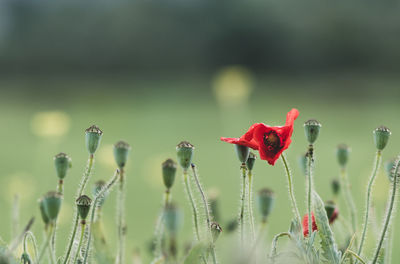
(272,141)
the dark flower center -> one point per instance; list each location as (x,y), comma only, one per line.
(272,141)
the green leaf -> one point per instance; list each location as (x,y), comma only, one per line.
(328,246)
(196,253)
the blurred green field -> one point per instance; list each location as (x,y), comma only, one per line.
(41,117)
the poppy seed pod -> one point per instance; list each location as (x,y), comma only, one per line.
(62,163)
(381,137)
(342,154)
(168,172)
(335,184)
(43,213)
(184,151)
(266,200)
(93,136)
(52,204)
(389,167)
(172,218)
(311,128)
(121,153)
(251,160)
(83,204)
(216,230)
(331,211)
(97,187)
(242,152)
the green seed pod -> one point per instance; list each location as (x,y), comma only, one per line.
(266,200)
(172,218)
(83,204)
(97,187)
(168,172)
(251,160)
(216,230)
(52,204)
(62,163)
(242,152)
(25,258)
(93,136)
(389,167)
(43,213)
(342,154)
(381,137)
(335,184)
(303,163)
(311,128)
(185,153)
(121,153)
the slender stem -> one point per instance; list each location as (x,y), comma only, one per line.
(121,219)
(368,203)
(82,186)
(97,198)
(250,193)
(242,202)
(291,192)
(310,162)
(46,245)
(194,209)
(274,243)
(356,256)
(349,199)
(158,230)
(208,216)
(32,238)
(83,226)
(388,214)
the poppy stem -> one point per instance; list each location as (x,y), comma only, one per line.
(351,207)
(310,165)
(191,200)
(159,229)
(121,218)
(83,226)
(242,202)
(291,192)
(389,211)
(250,193)
(368,202)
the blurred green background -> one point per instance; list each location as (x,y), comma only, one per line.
(157,72)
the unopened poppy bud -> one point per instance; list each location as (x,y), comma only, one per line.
(184,151)
(251,160)
(311,128)
(335,184)
(168,172)
(216,230)
(93,136)
(381,137)
(83,204)
(342,154)
(98,186)
(121,153)
(43,213)
(242,153)
(266,200)
(62,163)
(25,258)
(172,218)
(52,204)
(331,211)
(389,166)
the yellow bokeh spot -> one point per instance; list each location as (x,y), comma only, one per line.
(50,124)
(21,184)
(233,86)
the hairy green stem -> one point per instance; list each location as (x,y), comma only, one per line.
(83,226)
(368,202)
(388,213)
(46,245)
(82,186)
(208,215)
(32,238)
(272,254)
(121,219)
(310,159)
(242,203)
(250,191)
(97,198)
(194,208)
(158,230)
(291,192)
(351,207)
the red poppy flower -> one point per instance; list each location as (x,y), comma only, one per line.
(269,141)
(305,224)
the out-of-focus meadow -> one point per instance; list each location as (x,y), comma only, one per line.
(155,73)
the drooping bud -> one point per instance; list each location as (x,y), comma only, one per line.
(335,184)
(251,160)
(389,167)
(331,211)
(83,204)
(381,137)
(266,200)
(52,204)
(303,163)
(184,151)
(62,163)
(342,154)
(93,136)
(172,218)
(97,187)
(216,230)
(242,153)
(121,153)
(311,128)
(43,213)
(168,172)
(25,258)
